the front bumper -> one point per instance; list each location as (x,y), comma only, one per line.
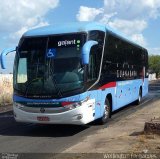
(78,116)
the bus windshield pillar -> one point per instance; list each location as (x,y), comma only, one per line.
(86,51)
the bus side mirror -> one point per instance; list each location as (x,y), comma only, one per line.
(3,56)
(86,51)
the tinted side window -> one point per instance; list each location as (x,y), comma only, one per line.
(92,67)
(96,53)
(123,60)
(97,36)
(112,57)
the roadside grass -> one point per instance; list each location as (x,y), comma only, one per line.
(6,89)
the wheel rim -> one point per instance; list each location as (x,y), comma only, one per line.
(140,97)
(106,112)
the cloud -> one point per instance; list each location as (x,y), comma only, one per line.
(154,51)
(20,32)
(128,16)
(129,9)
(88,14)
(139,38)
(18,16)
(127,26)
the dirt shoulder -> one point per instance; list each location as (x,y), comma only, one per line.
(124,136)
(5,108)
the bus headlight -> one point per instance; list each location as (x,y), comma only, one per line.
(18,105)
(72,105)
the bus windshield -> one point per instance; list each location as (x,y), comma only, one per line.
(49,66)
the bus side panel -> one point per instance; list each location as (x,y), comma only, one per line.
(127,92)
(124,93)
(145,87)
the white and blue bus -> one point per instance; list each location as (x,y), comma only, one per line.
(75,74)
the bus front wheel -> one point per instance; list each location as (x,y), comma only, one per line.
(107,112)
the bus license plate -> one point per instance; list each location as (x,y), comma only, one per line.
(43,118)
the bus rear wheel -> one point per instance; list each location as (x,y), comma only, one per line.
(107,113)
(138,101)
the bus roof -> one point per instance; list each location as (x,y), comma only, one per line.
(75,27)
(65,28)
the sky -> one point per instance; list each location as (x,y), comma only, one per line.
(139,20)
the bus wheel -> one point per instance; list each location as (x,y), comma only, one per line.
(138,101)
(107,112)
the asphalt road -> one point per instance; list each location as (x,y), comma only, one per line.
(32,138)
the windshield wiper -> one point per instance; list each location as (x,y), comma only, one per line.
(55,84)
(29,83)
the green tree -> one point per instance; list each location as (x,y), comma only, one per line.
(154,64)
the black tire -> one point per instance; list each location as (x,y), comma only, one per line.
(138,101)
(107,113)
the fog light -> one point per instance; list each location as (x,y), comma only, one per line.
(18,105)
(80,116)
